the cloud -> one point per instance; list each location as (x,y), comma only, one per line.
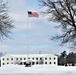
(39,30)
(5,48)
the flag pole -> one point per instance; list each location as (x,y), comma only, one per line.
(27,37)
(30,14)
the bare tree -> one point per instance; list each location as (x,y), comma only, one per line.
(5,21)
(64,13)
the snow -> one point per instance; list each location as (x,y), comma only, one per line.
(38,70)
(30,55)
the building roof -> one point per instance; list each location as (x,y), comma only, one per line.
(29,55)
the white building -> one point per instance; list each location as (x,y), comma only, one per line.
(33,59)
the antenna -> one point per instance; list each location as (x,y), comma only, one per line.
(39,52)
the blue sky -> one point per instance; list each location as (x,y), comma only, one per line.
(39,30)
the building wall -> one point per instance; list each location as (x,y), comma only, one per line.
(7,60)
(52,60)
(48,59)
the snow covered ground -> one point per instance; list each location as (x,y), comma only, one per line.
(38,70)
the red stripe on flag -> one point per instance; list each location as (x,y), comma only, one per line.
(33,14)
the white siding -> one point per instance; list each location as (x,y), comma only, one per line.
(7,60)
(46,58)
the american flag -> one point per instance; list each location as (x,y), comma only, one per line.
(33,14)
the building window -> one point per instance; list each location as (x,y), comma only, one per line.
(21,63)
(50,58)
(40,58)
(49,62)
(7,63)
(54,62)
(33,63)
(33,58)
(3,58)
(45,58)
(45,62)
(11,58)
(24,58)
(36,62)
(20,58)
(7,58)
(16,58)
(28,58)
(54,58)
(3,63)
(36,58)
